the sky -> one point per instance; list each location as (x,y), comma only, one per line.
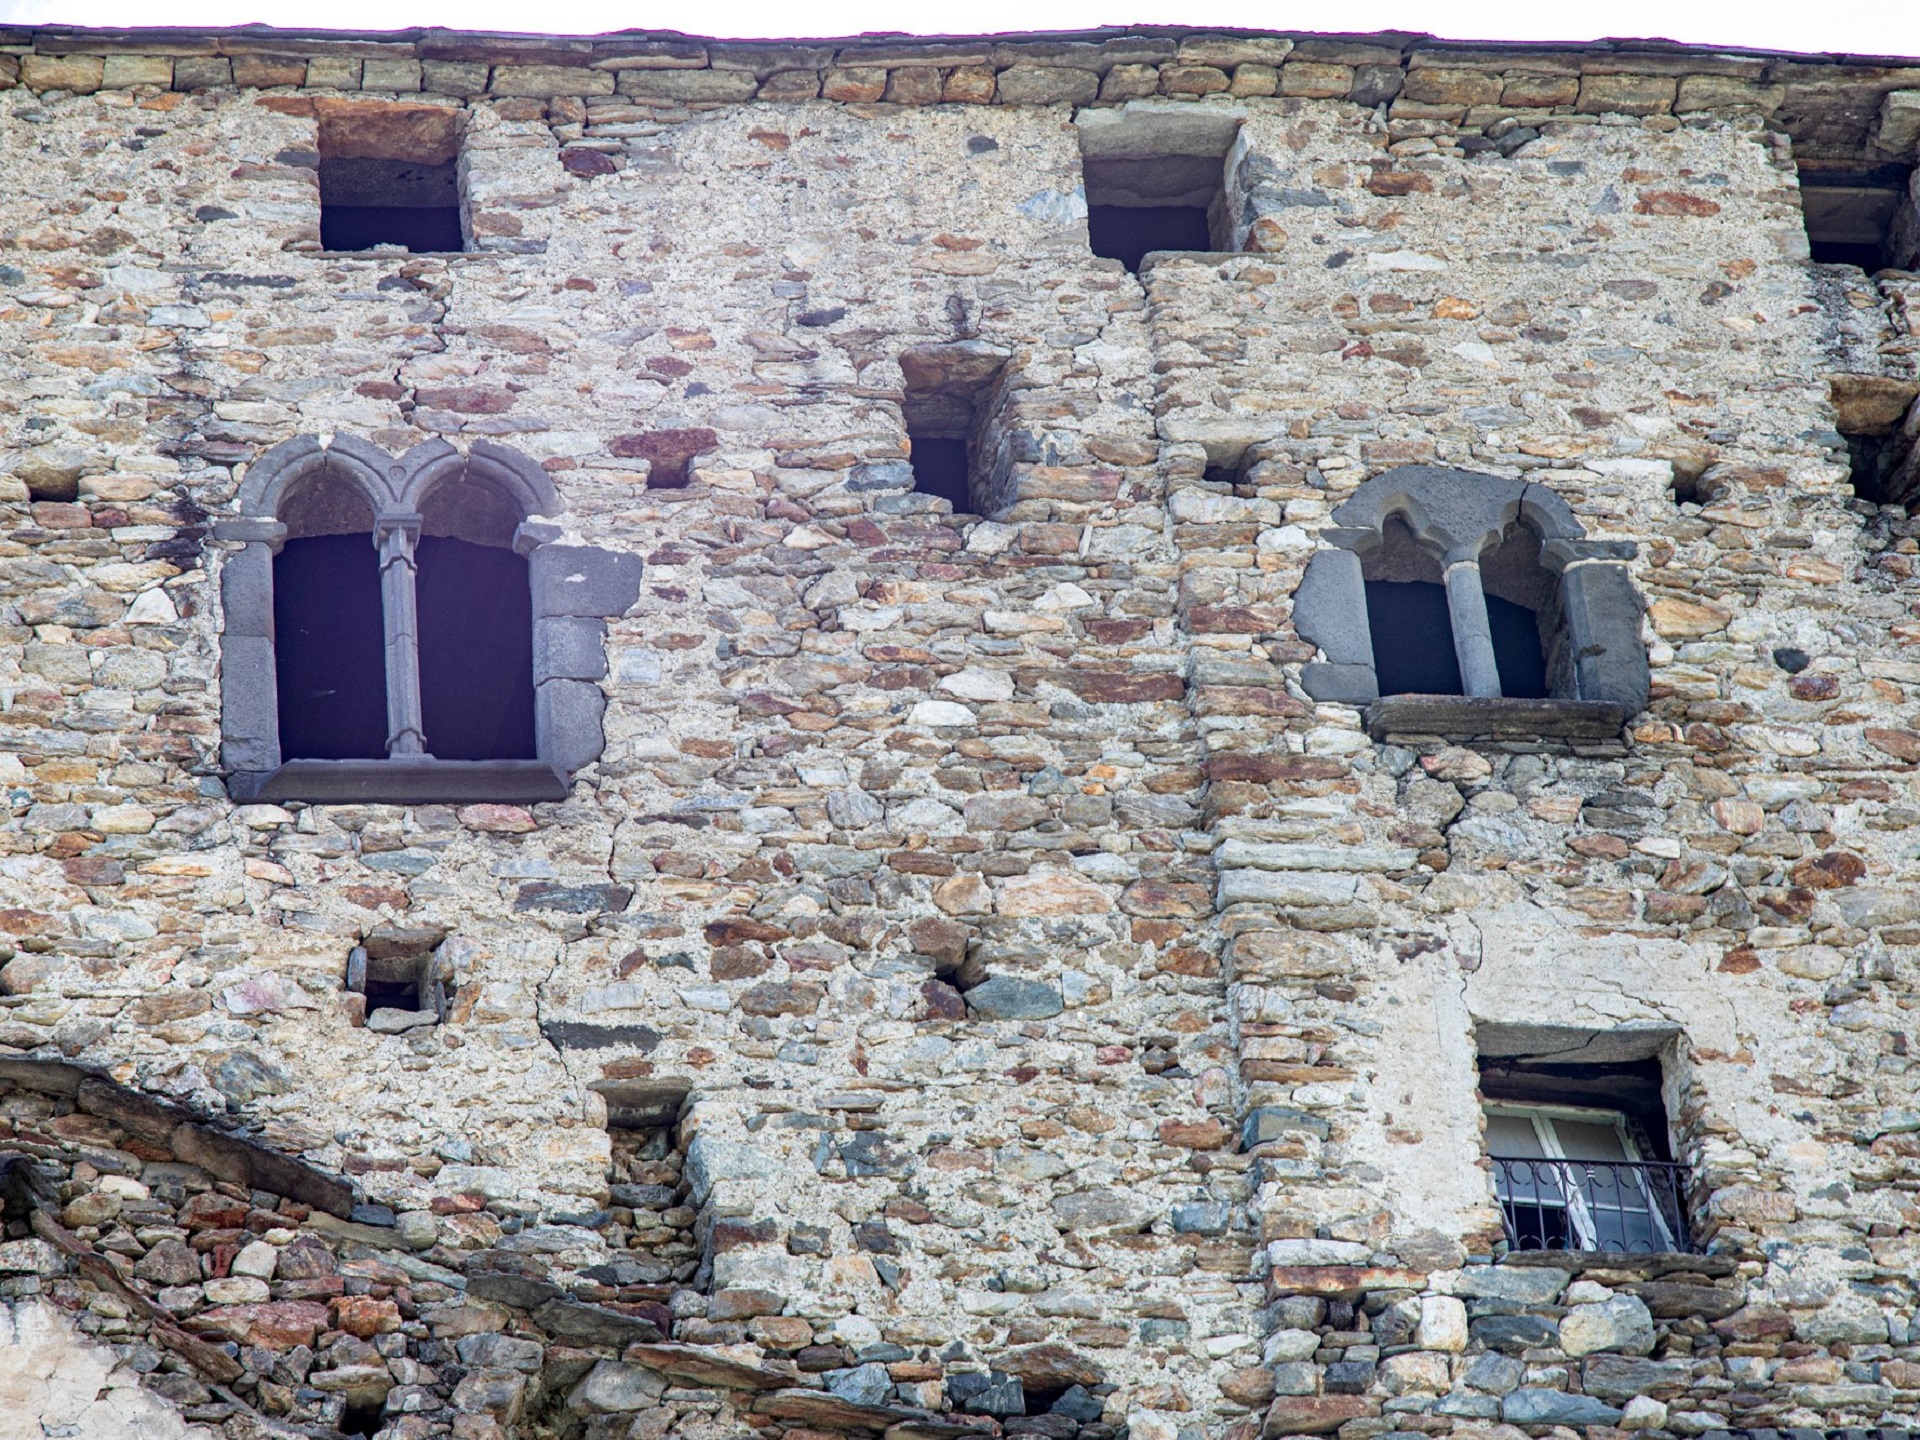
(1878,27)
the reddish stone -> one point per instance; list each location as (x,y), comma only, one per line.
(1901,744)
(364,1316)
(586,162)
(1194,1134)
(1819,686)
(1234,619)
(306,1259)
(1399,182)
(738,930)
(789,997)
(213,1211)
(1120,687)
(1160,898)
(466,399)
(1740,961)
(276,1324)
(1674,202)
(940,1001)
(1246,700)
(739,962)
(1314,1414)
(1664,908)
(1832,871)
(1755,1322)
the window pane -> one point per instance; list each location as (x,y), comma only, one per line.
(476,651)
(1412,632)
(330,649)
(1511,1135)
(1616,1199)
(1581,1140)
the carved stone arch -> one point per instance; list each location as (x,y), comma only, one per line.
(575,589)
(277,474)
(434,463)
(1458,516)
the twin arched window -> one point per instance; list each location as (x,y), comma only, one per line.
(1446,582)
(407,629)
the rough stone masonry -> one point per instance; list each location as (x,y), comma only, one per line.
(969,984)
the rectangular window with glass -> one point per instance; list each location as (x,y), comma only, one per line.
(1573,1178)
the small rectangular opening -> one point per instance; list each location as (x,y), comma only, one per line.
(402,977)
(1155,180)
(949,390)
(941,467)
(1582,1155)
(1850,212)
(654,1242)
(389,175)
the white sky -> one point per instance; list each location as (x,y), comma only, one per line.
(1879,27)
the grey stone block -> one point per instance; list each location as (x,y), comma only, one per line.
(246,593)
(1603,613)
(567,723)
(249,704)
(1006,998)
(584,580)
(1340,684)
(569,647)
(1555,1407)
(1330,608)
(1276,1122)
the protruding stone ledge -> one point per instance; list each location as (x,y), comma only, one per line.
(1462,717)
(407,782)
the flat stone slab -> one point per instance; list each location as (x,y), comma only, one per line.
(594,1324)
(1464,716)
(705,1366)
(823,1411)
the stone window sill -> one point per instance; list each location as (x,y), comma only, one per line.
(403,782)
(1463,717)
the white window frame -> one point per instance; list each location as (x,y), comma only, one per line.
(1579,1219)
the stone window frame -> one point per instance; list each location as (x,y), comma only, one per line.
(1457,516)
(576,590)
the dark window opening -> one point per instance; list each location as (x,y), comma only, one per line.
(943,439)
(1850,212)
(1582,1156)
(1042,1401)
(400,971)
(330,649)
(364,203)
(1516,649)
(1155,180)
(1885,467)
(389,176)
(1412,630)
(363,1419)
(940,467)
(1129,233)
(1695,484)
(476,651)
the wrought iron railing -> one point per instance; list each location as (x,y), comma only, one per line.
(1593,1204)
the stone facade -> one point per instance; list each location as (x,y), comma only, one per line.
(1044,1013)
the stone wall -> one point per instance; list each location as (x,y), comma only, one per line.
(1068,1006)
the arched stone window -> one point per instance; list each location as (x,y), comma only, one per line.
(1457,602)
(407,629)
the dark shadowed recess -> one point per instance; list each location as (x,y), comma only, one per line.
(476,651)
(367,202)
(940,468)
(1128,232)
(1413,651)
(329,649)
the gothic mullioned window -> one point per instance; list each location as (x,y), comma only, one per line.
(409,629)
(1445,592)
